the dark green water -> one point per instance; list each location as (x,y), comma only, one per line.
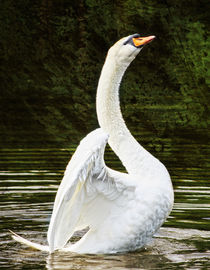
(29,181)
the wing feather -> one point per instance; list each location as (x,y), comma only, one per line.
(86,164)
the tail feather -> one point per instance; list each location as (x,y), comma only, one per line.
(26,242)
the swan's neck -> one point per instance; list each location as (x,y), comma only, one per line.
(107,102)
(130,152)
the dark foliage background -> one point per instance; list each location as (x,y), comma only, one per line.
(52,52)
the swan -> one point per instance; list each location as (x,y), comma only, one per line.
(121,210)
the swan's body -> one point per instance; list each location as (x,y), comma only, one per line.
(122,211)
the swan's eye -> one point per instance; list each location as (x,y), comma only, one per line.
(130,39)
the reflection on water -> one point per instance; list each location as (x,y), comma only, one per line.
(29,181)
(160,253)
(166,251)
(172,248)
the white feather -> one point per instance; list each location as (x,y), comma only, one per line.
(122,211)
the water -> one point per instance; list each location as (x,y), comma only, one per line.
(29,181)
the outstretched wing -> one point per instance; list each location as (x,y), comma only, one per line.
(84,179)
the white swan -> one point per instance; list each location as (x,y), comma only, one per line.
(122,211)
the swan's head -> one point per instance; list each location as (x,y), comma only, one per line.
(127,48)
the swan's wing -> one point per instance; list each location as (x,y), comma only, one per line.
(86,164)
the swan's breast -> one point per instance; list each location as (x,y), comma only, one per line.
(145,214)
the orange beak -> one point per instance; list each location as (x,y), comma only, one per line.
(140,41)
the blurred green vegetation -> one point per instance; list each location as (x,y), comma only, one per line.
(52,52)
